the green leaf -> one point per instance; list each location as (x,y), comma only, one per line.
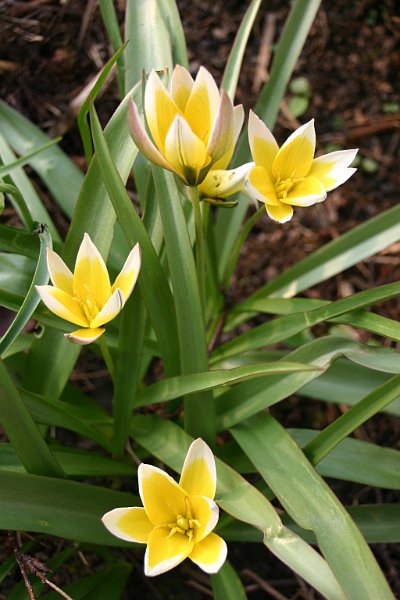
(17,241)
(170,15)
(284,327)
(18,203)
(199,408)
(75,463)
(312,505)
(152,280)
(147,50)
(108,583)
(226,584)
(53,166)
(23,160)
(32,299)
(340,254)
(174,387)
(109,16)
(67,509)
(22,432)
(235,59)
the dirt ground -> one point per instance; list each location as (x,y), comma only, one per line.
(50,49)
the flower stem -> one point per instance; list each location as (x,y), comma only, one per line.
(200,254)
(238,246)
(107,356)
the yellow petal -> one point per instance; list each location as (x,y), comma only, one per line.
(221,184)
(62,305)
(181,86)
(84,336)
(206,512)
(281,212)
(160,109)
(333,169)
(185,152)
(263,145)
(296,154)
(202,105)
(210,553)
(260,186)
(163,552)
(91,280)
(60,275)
(163,499)
(305,193)
(129,273)
(110,309)
(130,524)
(142,140)
(198,472)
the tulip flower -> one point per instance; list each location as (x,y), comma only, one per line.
(86,297)
(291,176)
(177,519)
(194,127)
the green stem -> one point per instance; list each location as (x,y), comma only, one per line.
(239,243)
(200,253)
(107,356)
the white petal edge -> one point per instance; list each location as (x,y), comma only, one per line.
(214,567)
(45,293)
(214,516)
(87,250)
(111,518)
(55,265)
(340,171)
(255,194)
(84,340)
(132,263)
(110,310)
(162,567)
(199,450)
(221,184)
(258,129)
(307,131)
(142,140)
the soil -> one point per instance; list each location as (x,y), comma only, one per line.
(50,49)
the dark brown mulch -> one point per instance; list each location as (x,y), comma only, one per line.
(49,50)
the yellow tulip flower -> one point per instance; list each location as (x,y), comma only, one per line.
(193,125)
(86,297)
(177,519)
(291,176)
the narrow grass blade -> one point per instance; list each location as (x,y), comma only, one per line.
(17,241)
(366,408)
(284,327)
(19,203)
(234,64)
(20,162)
(170,14)
(107,583)
(38,504)
(226,584)
(109,16)
(174,387)
(83,125)
(22,432)
(313,506)
(152,281)
(143,19)
(340,254)
(32,299)
(53,166)
(199,408)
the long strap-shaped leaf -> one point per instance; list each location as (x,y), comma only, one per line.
(153,281)
(235,495)
(281,328)
(199,408)
(32,299)
(22,431)
(312,504)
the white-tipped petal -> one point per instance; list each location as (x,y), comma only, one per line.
(91,280)
(181,86)
(203,104)
(82,337)
(160,109)
(130,524)
(62,305)
(222,133)
(210,553)
(280,213)
(185,152)
(206,512)
(307,192)
(198,476)
(164,552)
(61,277)
(333,169)
(296,155)
(110,309)
(262,143)
(142,140)
(127,278)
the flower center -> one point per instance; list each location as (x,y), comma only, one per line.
(283,186)
(184,524)
(88,303)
